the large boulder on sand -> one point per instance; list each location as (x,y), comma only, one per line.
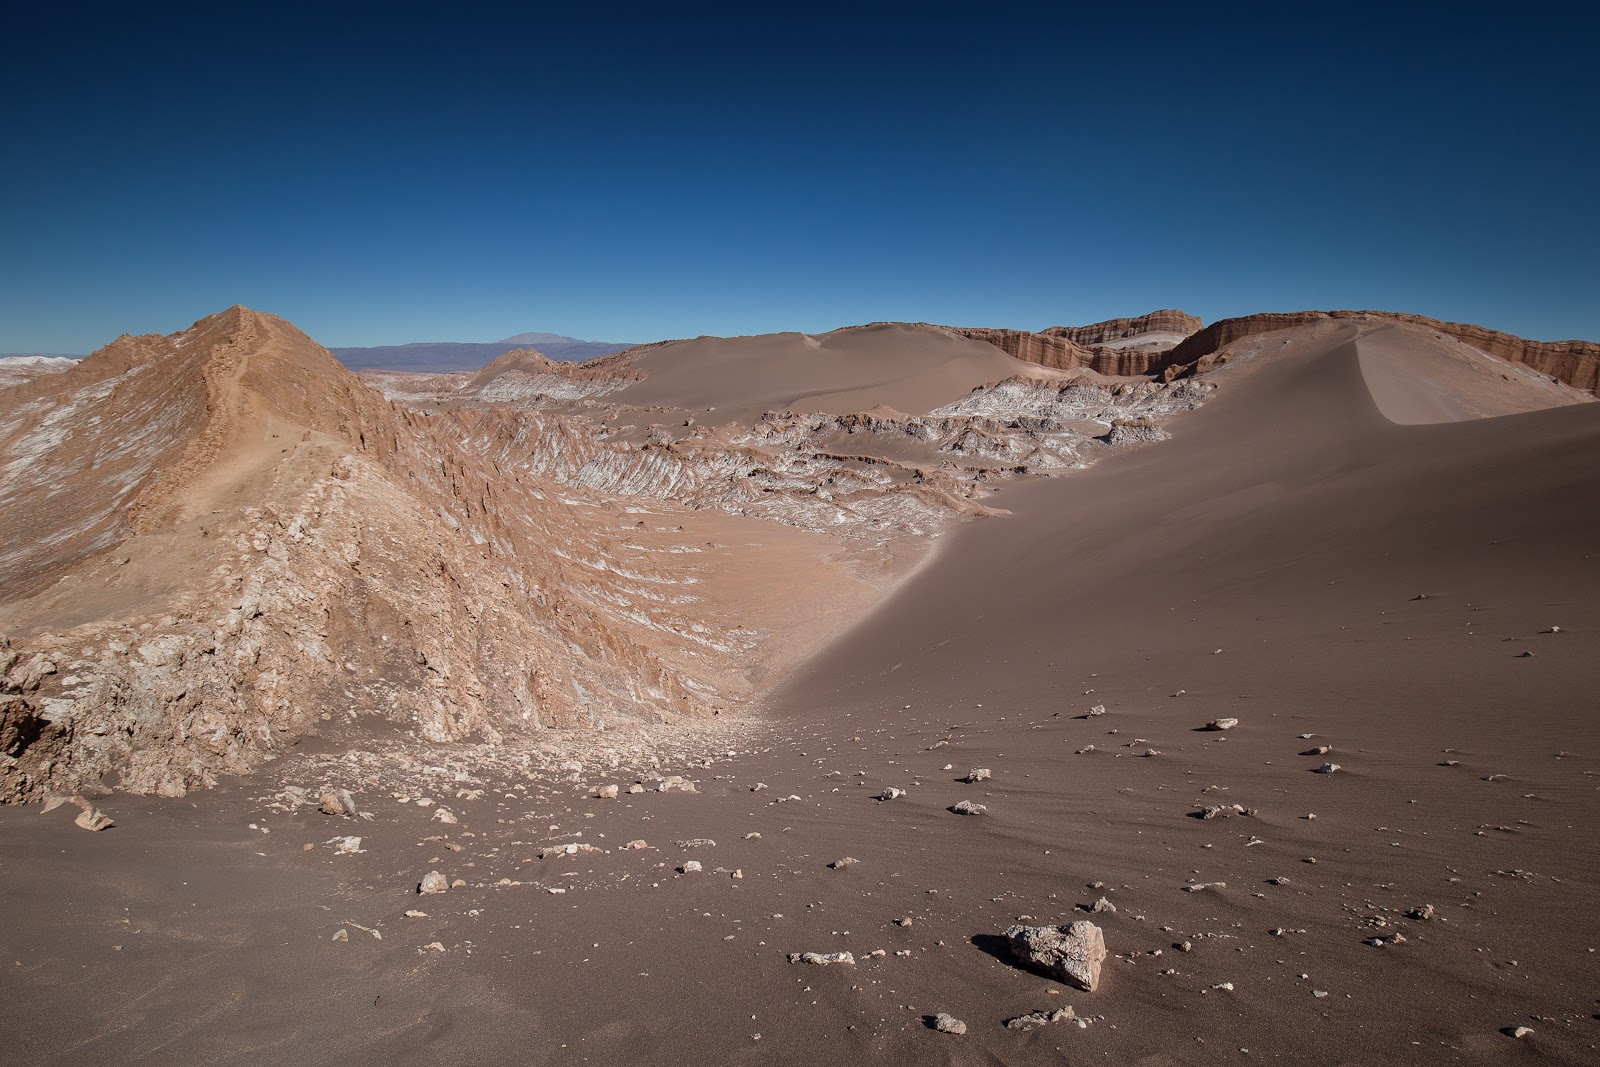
(1070,954)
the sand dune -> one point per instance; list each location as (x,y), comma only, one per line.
(914,368)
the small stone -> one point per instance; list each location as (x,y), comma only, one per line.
(606,792)
(948,1024)
(1221,724)
(338,802)
(639,843)
(842,863)
(904,920)
(1520,1032)
(1103,905)
(342,935)
(967,807)
(636,788)
(690,867)
(1423,913)
(977,774)
(891,793)
(433,882)
(415,914)
(1196,887)
(93,819)
(445,815)
(1329,768)
(1097,711)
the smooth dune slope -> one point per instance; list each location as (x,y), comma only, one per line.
(1297,560)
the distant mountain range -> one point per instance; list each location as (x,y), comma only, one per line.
(436,357)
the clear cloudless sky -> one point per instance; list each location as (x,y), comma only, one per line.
(630,172)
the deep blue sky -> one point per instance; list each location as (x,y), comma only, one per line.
(419,172)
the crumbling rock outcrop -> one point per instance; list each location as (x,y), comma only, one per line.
(264,546)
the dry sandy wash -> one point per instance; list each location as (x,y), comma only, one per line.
(729,700)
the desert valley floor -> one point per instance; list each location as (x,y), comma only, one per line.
(876,561)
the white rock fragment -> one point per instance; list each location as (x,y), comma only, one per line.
(1196,887)
(690,867)
(967,807)
(948,1024)
(1329,768)
(1097,711)
(1222,724)
(841,864)
(822,959)
(978,774)
(606,792)
(1070,954)
(1041,1018)
(891,793)
(433,882)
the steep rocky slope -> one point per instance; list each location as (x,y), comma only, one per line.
(220,541)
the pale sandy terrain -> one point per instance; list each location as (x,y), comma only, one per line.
(733,379)
(1336,550)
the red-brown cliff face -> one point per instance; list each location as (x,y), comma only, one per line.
(1168,321)
(1576,363)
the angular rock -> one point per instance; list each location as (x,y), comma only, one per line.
(1071,954)
(1222,724)
(93,819)
(947,1024)
(1329,768)
(338,802)
(433,882)
(967,807)
(978,774)
(891,793)
(606,792)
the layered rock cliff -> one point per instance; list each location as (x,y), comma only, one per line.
(1574,363)
(1117,347)
(1166,323)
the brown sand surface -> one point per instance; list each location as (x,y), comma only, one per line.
(1292,558)
(910,367)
